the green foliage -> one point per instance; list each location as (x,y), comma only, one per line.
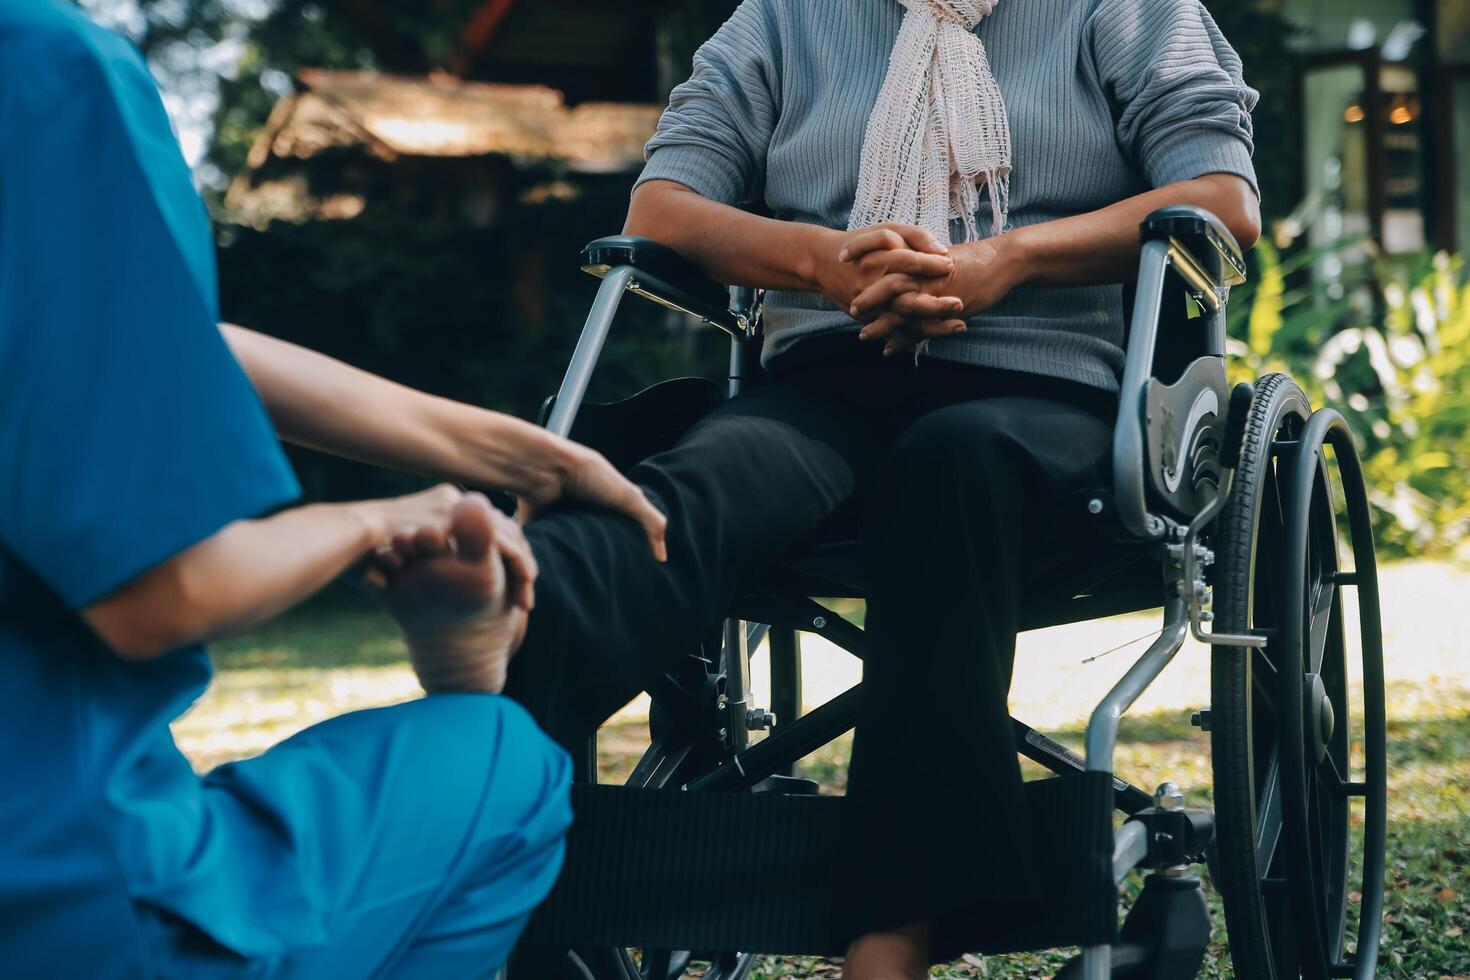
(246,50)
(1261,37)
(1389,347)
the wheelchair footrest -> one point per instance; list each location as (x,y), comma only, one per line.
(666,869)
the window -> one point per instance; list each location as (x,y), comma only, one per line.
(1363,156)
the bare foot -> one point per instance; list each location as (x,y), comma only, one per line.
(454,603)
(902,954)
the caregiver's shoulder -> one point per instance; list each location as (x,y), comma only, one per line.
(50,53)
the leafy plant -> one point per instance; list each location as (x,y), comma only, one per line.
(1385,341)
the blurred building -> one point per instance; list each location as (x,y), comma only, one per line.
(436,146)
(1384,97)
(536,100)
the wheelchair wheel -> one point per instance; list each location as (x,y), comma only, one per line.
(1283,725)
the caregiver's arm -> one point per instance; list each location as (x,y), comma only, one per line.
(743,249)
(322,403)
(249,571)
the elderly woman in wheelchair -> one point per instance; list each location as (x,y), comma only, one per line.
(985,402)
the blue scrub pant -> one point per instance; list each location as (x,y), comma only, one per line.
(425,832)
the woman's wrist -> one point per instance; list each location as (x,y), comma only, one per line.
(986,271)
(815,255)
(1015,259)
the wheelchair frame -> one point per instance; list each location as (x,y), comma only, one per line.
(1159,834)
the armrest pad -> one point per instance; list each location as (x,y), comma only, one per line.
(672,279)
(1203,236)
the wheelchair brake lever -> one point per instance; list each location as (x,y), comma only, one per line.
(1190,558)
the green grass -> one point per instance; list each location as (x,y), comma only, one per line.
(341,654)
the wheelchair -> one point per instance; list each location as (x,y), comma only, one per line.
(1226,509)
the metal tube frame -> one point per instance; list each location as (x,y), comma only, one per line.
(736,667)
(1128,436)
(589,348)
(1102,728)
(1102,740)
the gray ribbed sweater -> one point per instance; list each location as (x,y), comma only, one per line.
(1106,98)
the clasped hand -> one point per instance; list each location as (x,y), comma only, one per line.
(906,287)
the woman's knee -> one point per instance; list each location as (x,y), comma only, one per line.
(951,445)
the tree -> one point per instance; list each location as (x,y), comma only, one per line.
(1262,36)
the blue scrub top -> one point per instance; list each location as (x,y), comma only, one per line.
(127,434)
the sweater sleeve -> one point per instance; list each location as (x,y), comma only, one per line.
(1180,103)
(714,135)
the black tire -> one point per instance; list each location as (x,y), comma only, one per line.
(1281,717)
(1238,736)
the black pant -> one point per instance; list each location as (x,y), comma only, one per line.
(957,476)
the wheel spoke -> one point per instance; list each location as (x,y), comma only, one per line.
(1262,657)
(1319,622)
(1334,779)
(1268,559)
(1261,686)
(1267,562)
(1273,480)
(1318,814)
(1268,815)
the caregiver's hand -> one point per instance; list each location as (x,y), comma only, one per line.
(541,469)
(897,306)
(850,264)
(425,533)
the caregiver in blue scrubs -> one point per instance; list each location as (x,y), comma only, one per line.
(145,508)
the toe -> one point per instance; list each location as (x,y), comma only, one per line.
(473,526)
(403,546)
(430,542)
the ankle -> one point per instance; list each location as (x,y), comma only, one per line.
(896,954)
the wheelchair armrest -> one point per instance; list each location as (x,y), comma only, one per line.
(1200,251)
(666,277)
(1203,237)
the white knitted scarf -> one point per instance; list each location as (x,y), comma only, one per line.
(939,127)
